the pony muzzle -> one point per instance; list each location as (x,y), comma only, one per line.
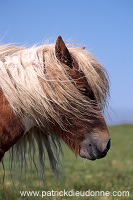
(94,149)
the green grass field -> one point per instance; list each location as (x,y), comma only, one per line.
(112,173)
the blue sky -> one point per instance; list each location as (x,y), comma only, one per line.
(104,27)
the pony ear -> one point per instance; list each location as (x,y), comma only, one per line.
(62,53)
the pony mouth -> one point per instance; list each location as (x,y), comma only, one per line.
(88,158)
(91,156)
(86,155)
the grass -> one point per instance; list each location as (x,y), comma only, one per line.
(113,173)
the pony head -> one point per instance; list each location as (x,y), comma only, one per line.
(85,132)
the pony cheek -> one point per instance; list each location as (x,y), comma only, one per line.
(69,137)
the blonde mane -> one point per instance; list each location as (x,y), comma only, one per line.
(37,86)
(34,81)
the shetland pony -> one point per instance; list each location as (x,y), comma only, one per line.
(48,94)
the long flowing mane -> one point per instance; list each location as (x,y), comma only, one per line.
(39,89)
(22,72)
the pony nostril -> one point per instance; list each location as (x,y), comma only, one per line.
(90,145)
(108,145)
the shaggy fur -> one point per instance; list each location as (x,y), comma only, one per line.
(39,88)
(34,81)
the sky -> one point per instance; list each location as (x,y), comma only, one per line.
(104,27)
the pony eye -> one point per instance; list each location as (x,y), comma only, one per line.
(84,90)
